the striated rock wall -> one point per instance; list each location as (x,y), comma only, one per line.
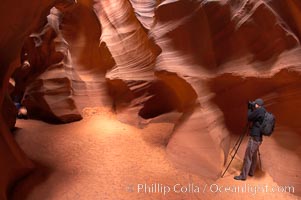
(208,45)
(18,20)
(48,88)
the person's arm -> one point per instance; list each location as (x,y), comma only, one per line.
(252,115)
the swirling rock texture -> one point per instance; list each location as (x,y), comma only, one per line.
(148,60)
(48,88)
(18,19)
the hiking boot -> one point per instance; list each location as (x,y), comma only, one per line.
(239,178)
(251,174)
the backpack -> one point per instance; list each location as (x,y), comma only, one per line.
(268,124)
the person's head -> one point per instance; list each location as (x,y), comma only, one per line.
(22,111)
(258,103)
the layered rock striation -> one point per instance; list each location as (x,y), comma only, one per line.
(149,59)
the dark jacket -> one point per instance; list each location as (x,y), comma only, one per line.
(256,117)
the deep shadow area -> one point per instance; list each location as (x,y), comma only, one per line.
(163,100)
(22,188)
(119,92)
(26,184)
(170,92)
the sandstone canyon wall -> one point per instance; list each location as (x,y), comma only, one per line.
(150,59)
(18,20)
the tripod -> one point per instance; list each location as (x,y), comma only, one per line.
(236,147)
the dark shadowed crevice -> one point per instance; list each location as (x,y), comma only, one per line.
(169,93)
(119,92)
(163,100)
(22,188)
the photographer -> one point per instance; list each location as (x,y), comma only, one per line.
(256,114)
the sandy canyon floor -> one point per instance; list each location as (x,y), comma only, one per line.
(102,158)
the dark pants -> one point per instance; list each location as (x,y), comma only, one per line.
(250,158)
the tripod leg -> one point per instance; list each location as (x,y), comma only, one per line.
(239,142)
(240,137)
(236,143)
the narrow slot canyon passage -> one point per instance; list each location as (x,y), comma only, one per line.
(125,99)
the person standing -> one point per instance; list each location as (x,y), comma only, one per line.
(256,113)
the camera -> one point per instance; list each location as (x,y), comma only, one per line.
(251,105)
